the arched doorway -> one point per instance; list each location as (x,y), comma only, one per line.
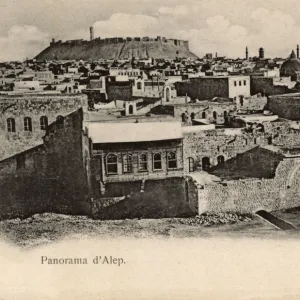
(220,160)
(192,116)
(203,115)
(168,94)
(205,163)
(215,115)
(139,85)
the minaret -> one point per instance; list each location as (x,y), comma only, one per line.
(91,33)
(261,53)
(297,51)
(247,53)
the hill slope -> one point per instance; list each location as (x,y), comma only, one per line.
(94,50)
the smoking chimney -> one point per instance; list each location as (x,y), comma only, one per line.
(297,51)
(91,33)
(247,53)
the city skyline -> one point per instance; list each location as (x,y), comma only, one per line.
(226,28)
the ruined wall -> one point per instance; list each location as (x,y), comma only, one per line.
(34,107)
(211,112)
(246,196)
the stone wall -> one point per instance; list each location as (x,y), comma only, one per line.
(285,106)
(159,199)
(203,88)
(119,91)
(229,142)
(265,85)
(248,196)
(34,107)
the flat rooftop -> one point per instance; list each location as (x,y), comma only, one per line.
(102,133)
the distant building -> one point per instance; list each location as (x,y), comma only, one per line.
(206,88)
(118,90)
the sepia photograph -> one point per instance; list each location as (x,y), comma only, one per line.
(150,149)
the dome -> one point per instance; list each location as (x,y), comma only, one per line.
(290,66)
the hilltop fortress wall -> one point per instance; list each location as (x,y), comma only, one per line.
(116,40)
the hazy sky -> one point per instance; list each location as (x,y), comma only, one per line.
(226,27)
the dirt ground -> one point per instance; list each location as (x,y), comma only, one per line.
(48,228)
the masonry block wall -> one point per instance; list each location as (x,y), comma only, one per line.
(229,142)
(33,107)
(212,112)
(248,196)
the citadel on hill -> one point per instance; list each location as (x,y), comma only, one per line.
(117,48)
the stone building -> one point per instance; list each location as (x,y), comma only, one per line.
(50,177)
(286,105)
(262,178)
(205,88)
(267,86)
(24,118)
(88,170)
(118,90)
(135,152)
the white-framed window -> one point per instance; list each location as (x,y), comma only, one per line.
(11,125)
(172,160)
(111,164)
(27,124)
(157,162)
(127,163)
(143,162)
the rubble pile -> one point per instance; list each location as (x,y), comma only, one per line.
(213,219)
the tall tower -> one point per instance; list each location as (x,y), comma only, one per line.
(247,53)
(261,53)
(297,51)
(91,33)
